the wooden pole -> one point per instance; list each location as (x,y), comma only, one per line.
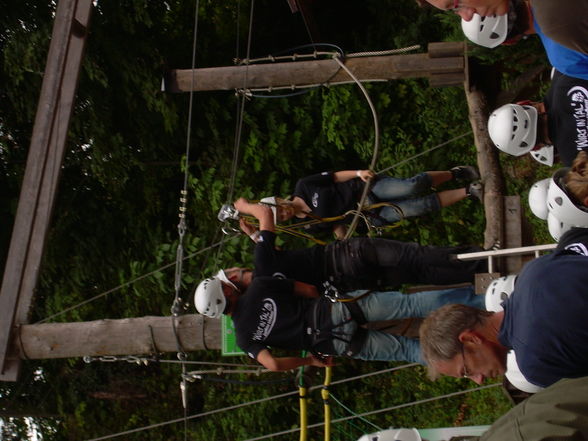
(134,336)
(42,171)
(446,65)
(489,166)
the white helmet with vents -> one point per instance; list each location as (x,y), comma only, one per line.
(488,31)
(498,291)
(209,298)
(556,227)
(393,435)
(513,128)
(543,155)
(538,198)
(561,206)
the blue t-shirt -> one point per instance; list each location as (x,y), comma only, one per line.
(567,61)
(546,317)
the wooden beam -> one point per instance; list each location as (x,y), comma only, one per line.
(301,73)
(42,171)
(136,336)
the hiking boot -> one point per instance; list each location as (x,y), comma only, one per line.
(465,173)
(475,190)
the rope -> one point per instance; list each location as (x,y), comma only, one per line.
(178,306)
(250,403)
(388,409)
(365,420)
(123,285)
(386,52)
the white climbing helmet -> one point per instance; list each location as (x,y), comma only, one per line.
(515,376)
(498,291)
(561,206)
(393,435)
(273,203)
(513,128)
(209,298)
(543,155)
(556,227)
(488,31)
(538,198)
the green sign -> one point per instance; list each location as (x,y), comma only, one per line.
(229,337)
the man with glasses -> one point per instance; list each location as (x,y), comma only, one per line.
(543,322)
(565,22)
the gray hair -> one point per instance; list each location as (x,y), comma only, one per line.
(439,333)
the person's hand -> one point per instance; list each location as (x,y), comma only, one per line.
(326,361)
(340,231)
(365,175)
(246,227)
(241,204)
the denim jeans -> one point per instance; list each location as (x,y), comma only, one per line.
(393,305)
(404,193)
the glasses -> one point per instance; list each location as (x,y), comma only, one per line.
(456,6)
(466,371)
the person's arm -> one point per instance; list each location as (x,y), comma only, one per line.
(261,212)
(276,364)
(249,230)
(346,175)
(306,290)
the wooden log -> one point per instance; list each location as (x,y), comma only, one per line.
(447,79)
(301,73)
(490,170)
(445,49)
(134,336)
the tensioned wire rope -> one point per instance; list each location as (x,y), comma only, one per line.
(250,403)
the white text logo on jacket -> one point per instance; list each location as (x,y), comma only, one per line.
(267,320)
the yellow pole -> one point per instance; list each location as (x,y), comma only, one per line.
(303,413)
(326,404)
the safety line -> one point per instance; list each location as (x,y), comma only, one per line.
(250,403)
(375,152)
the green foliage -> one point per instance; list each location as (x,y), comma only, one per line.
(116,214)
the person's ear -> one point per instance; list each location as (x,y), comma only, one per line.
(469,336)
(585,201)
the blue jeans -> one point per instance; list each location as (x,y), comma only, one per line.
(404,194)
(394,305)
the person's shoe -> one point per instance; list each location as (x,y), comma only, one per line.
(475,190)
(465,173)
